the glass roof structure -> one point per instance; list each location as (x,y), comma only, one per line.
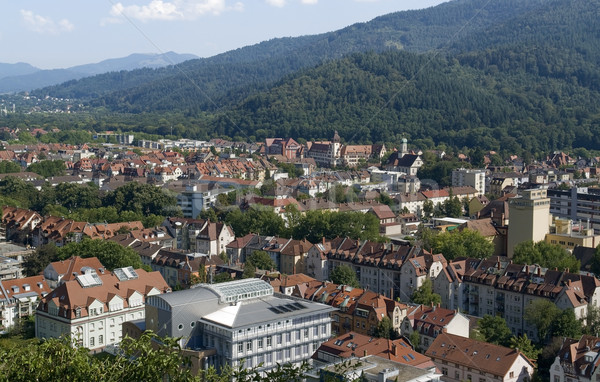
(241,290)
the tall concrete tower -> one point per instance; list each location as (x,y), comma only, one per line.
(529,218)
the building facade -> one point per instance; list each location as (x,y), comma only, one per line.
(242,321)
(92,307)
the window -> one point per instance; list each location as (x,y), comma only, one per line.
(512,374)
(305,333)
(279,339)
(100,339)
(260,343)
(92,341)
(249,346)
(240,348)
(269,344)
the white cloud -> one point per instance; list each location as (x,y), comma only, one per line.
(41,24)
(276,3)
(310,1)
(171,10)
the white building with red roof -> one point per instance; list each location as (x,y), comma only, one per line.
(92,307)
(19,298)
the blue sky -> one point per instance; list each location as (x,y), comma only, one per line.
(65,33)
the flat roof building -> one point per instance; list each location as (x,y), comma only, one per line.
(241,320)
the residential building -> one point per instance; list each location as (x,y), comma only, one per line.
(431,321)
(354,344)
(241,320)
(359,310)
(61,271)
(495,286)
(92,307)
(19,298)
(371,368)
(213,238)
(464,359)
(577,360)
(292,256)
(469,177)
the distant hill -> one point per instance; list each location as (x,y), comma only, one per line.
(514,76)
(227,78)
(18,69)
(24,77)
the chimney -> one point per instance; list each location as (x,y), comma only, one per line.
(395,349)
(117,285)
(365,353)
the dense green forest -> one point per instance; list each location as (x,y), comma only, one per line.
(213,82)
(515,76)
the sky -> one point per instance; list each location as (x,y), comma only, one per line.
(64,33)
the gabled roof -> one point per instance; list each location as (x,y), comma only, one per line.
(73,266)
(478,355)
(71,295)
(356,344)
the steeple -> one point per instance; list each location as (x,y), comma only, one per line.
(336,137)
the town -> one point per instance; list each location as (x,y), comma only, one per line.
(414,265)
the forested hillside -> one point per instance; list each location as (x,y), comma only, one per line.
(207,84)
(509,75)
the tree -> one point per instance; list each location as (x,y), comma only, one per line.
(111,254)
(494,329)
(144,199)
(592,326)
(415,340)
(48,168)
(344,275)
(428,208)
(200,277)
(35,263)
(385,329)
(261,260)
(7,167)
(525,345)
(249,271)
(424,294)
(461,243)
(546,255)
(223,256)
(223,277)
(541,314)
(566,325)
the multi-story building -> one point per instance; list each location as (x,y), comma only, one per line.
(495,286)
(92,307)
(577,360)
(530,218)
(213,238)
(469,177)
(577,204)
(358,309)
(568,235)
(60,271)
(464,359)
(431,321)
(354,344)
(241,320)
(19,298)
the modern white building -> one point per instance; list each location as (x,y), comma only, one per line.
(241,320)
(469,177)
(93,307)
